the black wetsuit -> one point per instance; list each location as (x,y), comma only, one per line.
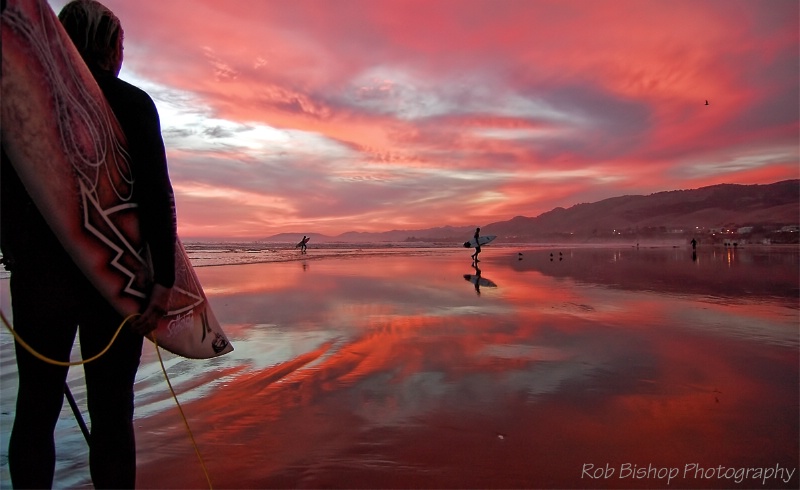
(51,299)
(477,246)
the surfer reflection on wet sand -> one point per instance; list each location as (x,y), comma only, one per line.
(478,280)
(475,279)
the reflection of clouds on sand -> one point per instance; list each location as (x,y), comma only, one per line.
(485,376)
(392,368)
(265,346)
(522,351)
(755,322)
(389,377)
(549,378)
(750,274)
(382,401)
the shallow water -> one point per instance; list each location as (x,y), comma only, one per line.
(593,367)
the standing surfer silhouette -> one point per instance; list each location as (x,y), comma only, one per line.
(52,299)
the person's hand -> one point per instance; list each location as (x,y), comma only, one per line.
(7,263)
(156,308)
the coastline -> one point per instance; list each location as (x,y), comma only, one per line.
(203,254)
(347,358)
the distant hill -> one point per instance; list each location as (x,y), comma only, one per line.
(766,208)
(730,206)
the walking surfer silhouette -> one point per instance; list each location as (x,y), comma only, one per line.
(477,246)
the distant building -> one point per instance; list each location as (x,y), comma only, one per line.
(745,230)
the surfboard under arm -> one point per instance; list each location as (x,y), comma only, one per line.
(70,154)
(483,240)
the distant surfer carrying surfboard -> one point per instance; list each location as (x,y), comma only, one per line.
(303,244)
(476,243)
(51,297)
(477,246)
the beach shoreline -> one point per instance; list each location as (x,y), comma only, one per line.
(233,253)
(397,369)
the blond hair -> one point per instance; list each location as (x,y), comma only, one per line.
(95,31)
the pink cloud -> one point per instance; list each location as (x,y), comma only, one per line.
(532,102)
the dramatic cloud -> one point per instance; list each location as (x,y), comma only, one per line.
(332,116)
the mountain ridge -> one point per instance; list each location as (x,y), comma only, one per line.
(763,206)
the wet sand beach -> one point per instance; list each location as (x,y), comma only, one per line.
(544,367)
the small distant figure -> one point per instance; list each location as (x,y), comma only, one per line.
(477,246)
(303,244)
(694,244)
(706,101)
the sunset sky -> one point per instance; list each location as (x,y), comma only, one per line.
(371,115)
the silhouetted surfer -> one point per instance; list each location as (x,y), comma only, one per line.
(477,246)
(52,298)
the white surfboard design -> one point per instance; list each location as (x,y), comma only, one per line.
(481,241)
(70,153)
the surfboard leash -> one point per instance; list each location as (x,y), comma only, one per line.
(71,400)
(183,416)
(63,363)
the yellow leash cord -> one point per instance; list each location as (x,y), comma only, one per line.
(183,416)
(85,361)
(62,363)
